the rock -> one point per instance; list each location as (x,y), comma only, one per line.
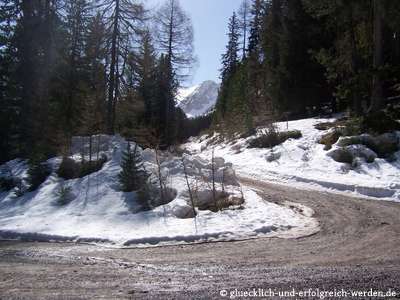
(363,152)
(272,156)
(204,200)
(235,201)
(183,211)
(383,145)
(329,139)
(341,155)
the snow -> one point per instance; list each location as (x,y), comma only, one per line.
(100,213)
(185,92)
(199,99)
(304,163)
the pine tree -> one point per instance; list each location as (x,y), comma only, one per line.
(38,172)
(229,61)
(146,72)
(257,13)
(133,176)
(165,107)
(94,115)
(230,57)
(10,100)
(71,87)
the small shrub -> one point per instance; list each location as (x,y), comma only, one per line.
(37,174)
(271,138)
(20,188)
(293,134)
(89,167)
(64,195)
(71,169)
(324,125)
(133,176)
(248,133)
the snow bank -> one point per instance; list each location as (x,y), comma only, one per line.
(305,164)
(98,212)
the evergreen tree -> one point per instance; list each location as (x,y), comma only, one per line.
(230,59)
(71,87)
(229,62)
(94,115)
(165,107)
(10,100)
(257,12)
(293,78)
(347,58)
(146,72)
(38,172)
(133,176)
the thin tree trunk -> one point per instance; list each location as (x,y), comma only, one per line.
(377,90)
(90,148)
(111,84)
(189,188)
(213,179)
(357,109)
(171,28)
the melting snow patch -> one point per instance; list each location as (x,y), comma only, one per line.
(305,164)
(98,212)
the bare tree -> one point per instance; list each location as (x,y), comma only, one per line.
(124,20)
(214,191)
(174,32)
(244,15)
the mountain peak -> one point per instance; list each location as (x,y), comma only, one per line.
(199,99)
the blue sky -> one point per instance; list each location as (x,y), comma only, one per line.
(210,22)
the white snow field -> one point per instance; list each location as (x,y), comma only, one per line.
(98,212)
(305,164)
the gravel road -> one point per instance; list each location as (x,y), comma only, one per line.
(357,249)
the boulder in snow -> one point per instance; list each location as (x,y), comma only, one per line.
(183,211)
(272,156)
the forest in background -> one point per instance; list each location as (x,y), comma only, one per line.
(84,67)
(290,59)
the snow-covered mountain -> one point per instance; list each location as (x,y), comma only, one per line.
(199,99)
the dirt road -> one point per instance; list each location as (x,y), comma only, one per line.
(358,248)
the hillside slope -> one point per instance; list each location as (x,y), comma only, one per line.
(199,99)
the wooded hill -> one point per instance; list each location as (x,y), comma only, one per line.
(305,57)
(83,67)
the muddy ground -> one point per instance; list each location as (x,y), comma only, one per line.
(357,248)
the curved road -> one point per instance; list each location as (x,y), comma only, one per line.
(357,249)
